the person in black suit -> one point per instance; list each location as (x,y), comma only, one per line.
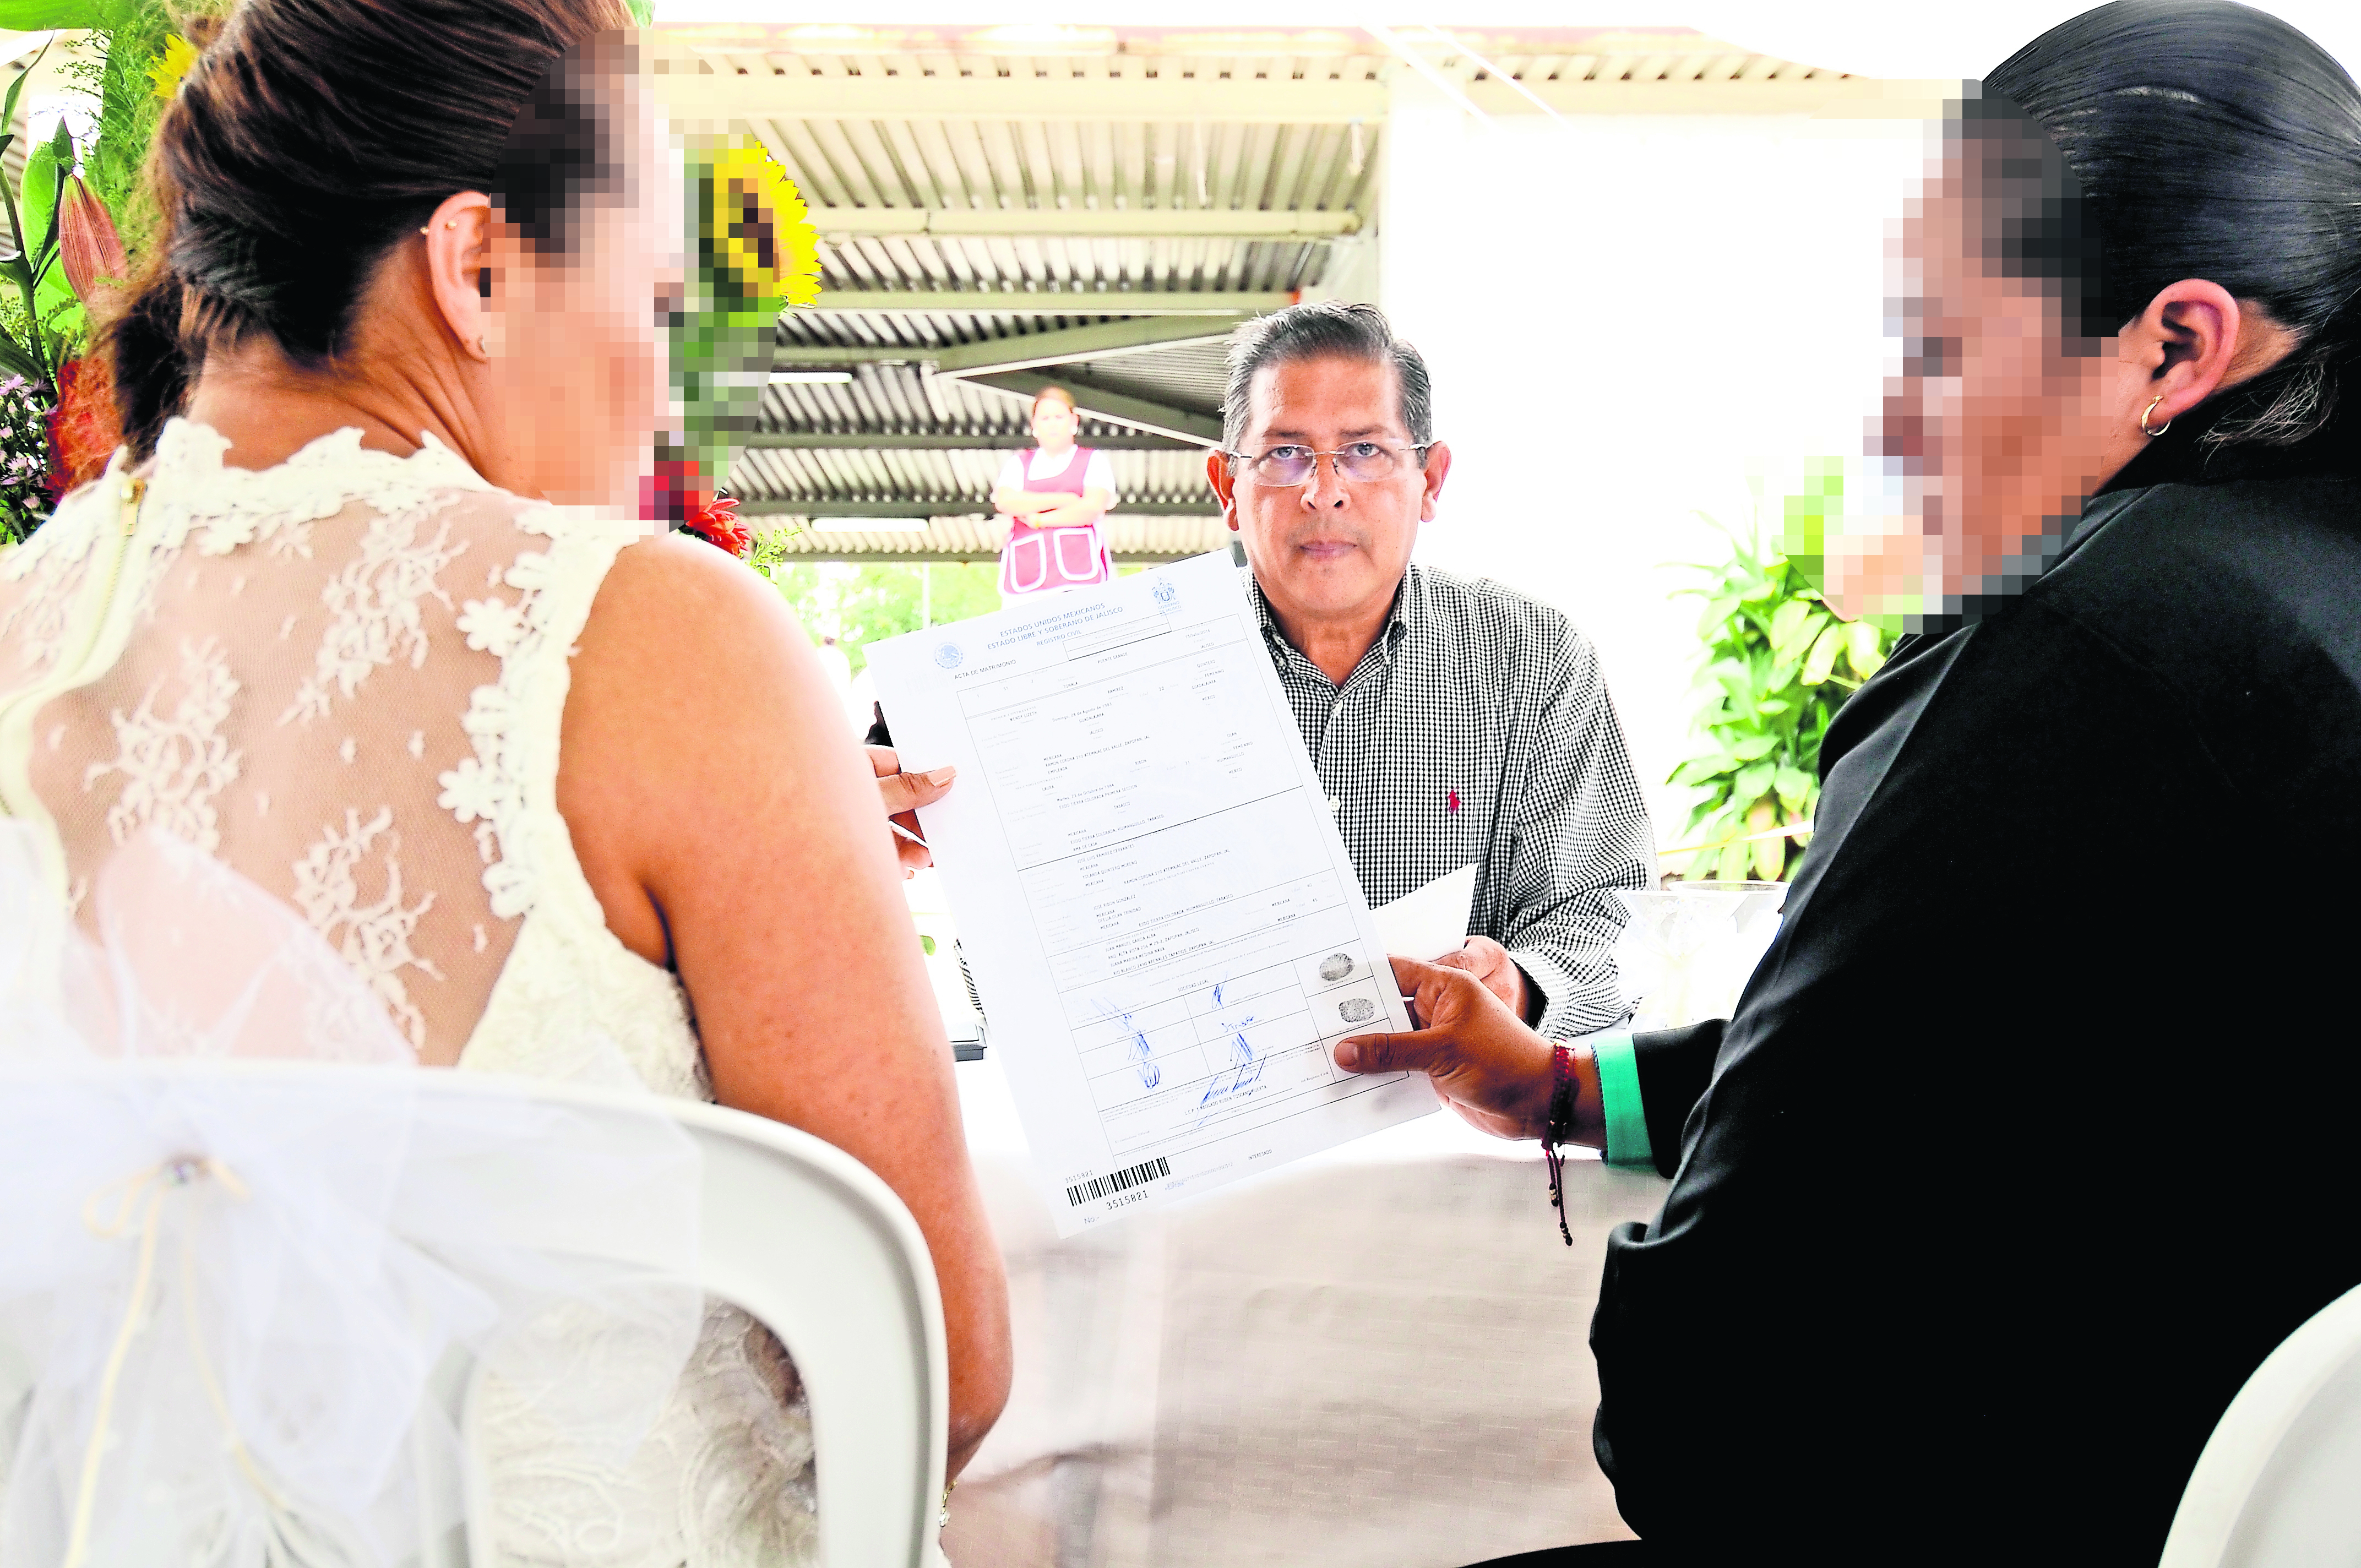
(2033,1132)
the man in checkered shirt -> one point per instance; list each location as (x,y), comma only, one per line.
(1450,721)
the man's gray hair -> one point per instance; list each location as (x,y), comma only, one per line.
(1322,330)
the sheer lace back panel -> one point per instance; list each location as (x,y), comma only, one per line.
(304,671)
(346,676)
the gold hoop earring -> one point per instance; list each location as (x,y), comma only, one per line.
(2160,430)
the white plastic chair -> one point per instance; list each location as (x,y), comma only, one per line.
(801,1235)
(2279,1484)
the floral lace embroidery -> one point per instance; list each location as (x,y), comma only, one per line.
(373,938)
(42,614)
(172,767)
(373,608)
(486,789)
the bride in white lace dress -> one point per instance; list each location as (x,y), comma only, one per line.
(357,611)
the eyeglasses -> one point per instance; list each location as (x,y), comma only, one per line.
(1361,461)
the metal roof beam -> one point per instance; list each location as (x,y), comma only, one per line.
(1115,408)
(949,441)
(1060,303)
(1084,223)
(958,506)
(1105,340)
(991,355)
(1132,97)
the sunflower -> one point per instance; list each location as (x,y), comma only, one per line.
(755,241)
(171,66)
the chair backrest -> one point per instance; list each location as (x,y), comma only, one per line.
(803,1237)
(815,1246)
(2279,1481)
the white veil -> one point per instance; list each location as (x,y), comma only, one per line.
(226,1283)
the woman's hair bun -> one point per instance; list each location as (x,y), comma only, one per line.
(318,137)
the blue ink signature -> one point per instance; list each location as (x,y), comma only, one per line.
(1245,1070)
(1150,1075)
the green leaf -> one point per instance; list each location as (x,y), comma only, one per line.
(17,88)
(1749,747)
(1865,648)
(1822,660)
(1701,770)
(16,360)
(45,16)
(926,944)
(1733,862)
(1791,626)
(1754,783)
(45,174)
(1794,786)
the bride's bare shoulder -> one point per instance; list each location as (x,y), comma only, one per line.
(695,704)
(671,595)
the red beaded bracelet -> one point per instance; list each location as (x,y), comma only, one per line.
(1559,1128)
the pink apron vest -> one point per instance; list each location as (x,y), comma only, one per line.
(1041,559)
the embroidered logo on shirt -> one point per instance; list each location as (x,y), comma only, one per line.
(1451,801)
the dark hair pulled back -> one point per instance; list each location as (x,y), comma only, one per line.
(313,136)
(2212,140)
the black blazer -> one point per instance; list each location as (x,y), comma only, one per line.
(2033,1132)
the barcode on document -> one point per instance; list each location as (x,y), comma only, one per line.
(1130,1176)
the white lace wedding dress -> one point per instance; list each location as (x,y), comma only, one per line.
(344,676)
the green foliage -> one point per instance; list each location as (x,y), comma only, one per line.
(35,351)
(880,599)
(45,15)
(127,112)
(1778,664)
(46,172)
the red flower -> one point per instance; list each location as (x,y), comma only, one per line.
(717,524)
(83,430)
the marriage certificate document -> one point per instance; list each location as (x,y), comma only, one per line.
(1165,932)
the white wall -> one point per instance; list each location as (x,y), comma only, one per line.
(1624,315)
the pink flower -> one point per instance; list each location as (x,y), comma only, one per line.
(87,243)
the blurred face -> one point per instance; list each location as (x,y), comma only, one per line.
(1054,425)
(579,382)
(1997,425)
(1332,548)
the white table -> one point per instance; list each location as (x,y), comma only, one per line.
(1377,1358)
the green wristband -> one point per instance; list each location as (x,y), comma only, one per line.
(1619,1090)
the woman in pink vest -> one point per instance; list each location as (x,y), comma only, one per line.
(1053,497)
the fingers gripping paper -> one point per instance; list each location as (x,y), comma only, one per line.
(1167,932)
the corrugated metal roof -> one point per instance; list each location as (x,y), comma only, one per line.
(1095,207)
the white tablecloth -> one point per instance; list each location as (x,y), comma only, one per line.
(1377,1358)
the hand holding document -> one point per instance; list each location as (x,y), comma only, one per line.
(1164,924)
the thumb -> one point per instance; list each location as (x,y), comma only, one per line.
(907,792)
(1418,1051)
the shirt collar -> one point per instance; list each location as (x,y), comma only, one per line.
(1407,614)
